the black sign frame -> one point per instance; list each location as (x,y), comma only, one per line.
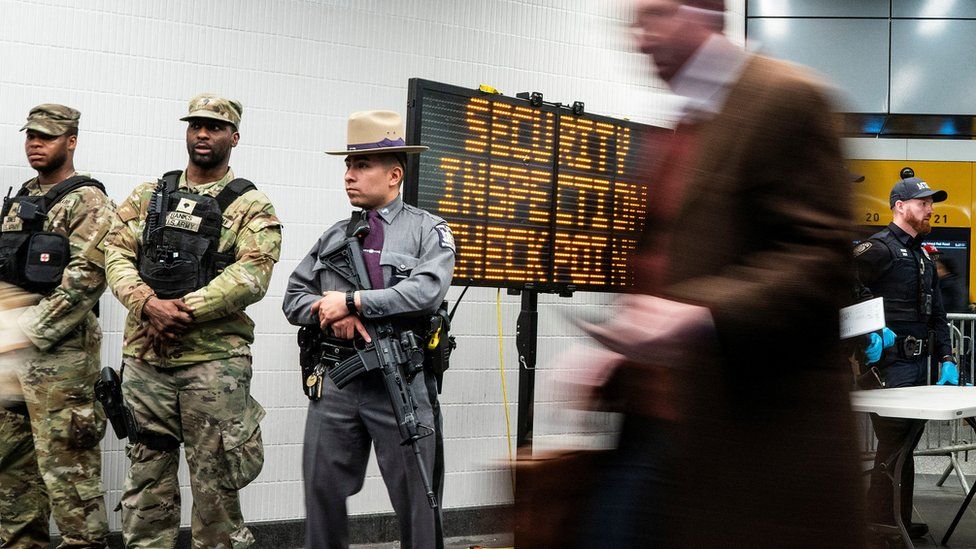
(418,89)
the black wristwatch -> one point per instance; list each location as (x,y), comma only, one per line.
(351,302)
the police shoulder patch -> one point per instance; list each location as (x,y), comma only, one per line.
(445,236)
(861,248)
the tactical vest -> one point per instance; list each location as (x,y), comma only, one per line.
(906,285)
(181,237)
(31,257)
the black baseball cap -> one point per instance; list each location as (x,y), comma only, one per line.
(914,187)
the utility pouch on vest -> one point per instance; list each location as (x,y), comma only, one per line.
(181,237)
(30,257)
(34,261)
(47,256)
(172,264)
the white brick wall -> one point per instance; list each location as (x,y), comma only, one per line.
(299,68)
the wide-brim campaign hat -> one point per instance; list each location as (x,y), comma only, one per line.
(376,132)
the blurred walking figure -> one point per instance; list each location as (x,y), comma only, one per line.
(52,265)
(727,352)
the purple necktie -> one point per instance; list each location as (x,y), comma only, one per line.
(372,246)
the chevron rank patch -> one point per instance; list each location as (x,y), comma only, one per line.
(186,205)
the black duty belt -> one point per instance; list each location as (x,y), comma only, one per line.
(911,346)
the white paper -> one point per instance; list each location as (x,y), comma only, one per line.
(863,318)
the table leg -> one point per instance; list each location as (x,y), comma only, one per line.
(906,453)
(959,514)
(965,502)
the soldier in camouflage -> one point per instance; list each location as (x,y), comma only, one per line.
(187,360)
(50,460)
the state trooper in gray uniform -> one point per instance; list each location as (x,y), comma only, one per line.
(409,256)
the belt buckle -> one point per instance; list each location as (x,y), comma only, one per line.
(913,346)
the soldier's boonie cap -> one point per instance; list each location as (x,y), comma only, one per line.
(207,105)
(913,187)
(52,119)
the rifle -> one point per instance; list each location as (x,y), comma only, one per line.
(398,355)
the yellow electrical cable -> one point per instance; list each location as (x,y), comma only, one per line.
(501,364)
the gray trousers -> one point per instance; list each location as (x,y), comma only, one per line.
(338,432)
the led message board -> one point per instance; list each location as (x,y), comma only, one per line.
(537,197)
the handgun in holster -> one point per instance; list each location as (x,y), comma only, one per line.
(108,391)
(440,345)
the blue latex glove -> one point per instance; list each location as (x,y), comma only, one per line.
(873,352)
(887,337)
(950,374)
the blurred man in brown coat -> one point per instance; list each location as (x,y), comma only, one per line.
(728,350)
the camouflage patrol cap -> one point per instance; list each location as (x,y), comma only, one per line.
(208,105)
(52,119)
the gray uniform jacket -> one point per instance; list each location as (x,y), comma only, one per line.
(417,260)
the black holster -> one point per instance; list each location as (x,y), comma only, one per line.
(108,391)
(317,351)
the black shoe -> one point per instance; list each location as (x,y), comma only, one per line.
(917,530)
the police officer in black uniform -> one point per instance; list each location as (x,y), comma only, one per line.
(892,264)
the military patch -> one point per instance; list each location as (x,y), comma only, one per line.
(446,237)
(127,212)
(186,205)
(187,222)
(861,248)
(12,224)
(96,246)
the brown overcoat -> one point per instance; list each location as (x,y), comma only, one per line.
(767,450)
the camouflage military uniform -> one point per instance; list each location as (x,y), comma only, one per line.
(198,388)
(50,460)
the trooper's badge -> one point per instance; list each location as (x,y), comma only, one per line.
(861,248)
(446,237)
